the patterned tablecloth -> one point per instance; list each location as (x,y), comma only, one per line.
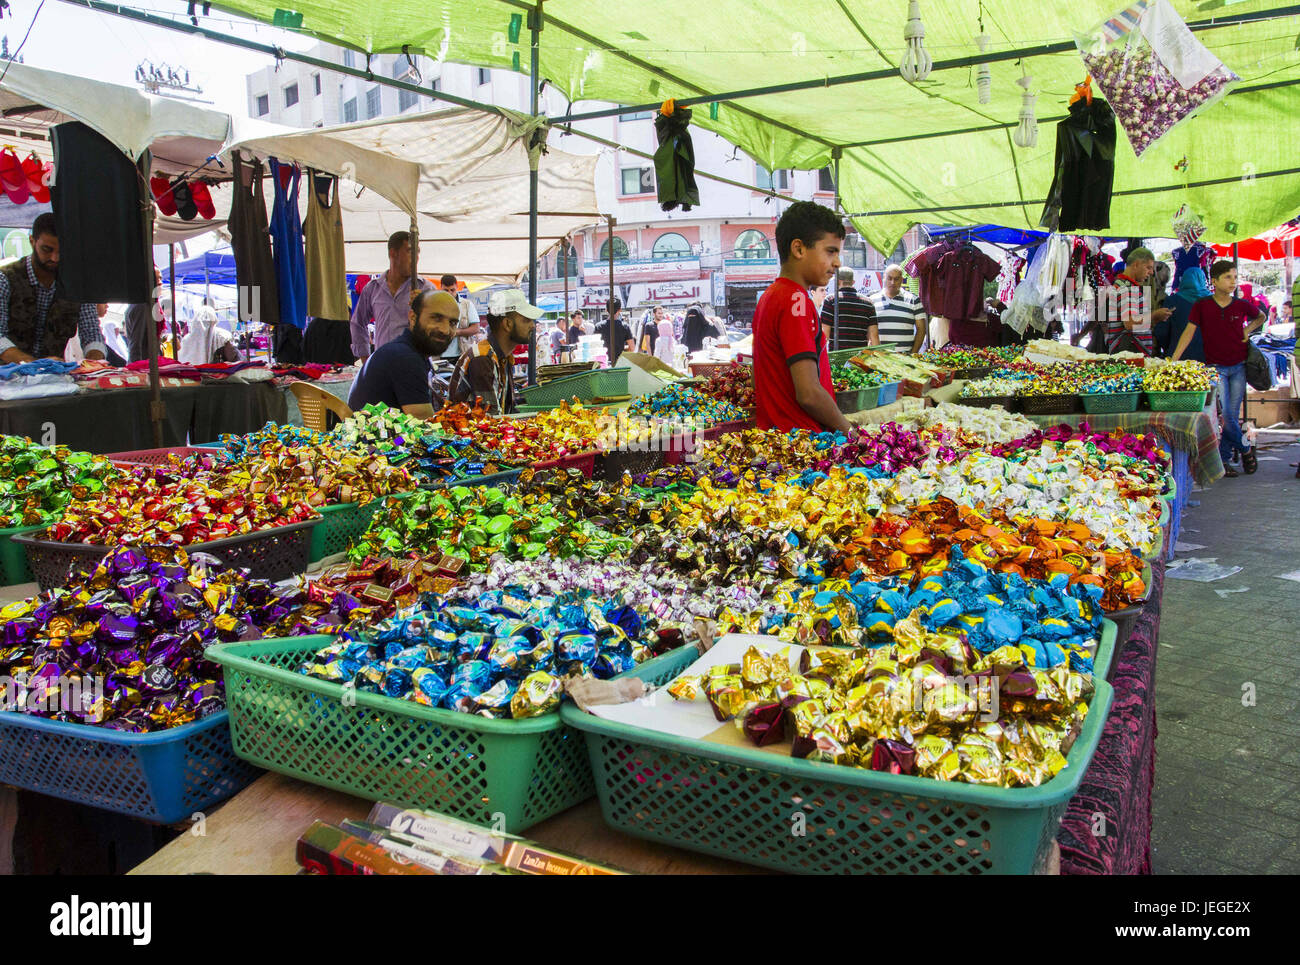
(1107,826)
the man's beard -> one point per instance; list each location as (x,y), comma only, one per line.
(430,345)
(44,266)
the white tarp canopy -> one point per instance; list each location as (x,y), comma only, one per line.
(464,173)
(182,136)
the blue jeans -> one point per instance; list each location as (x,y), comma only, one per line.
(1232,393)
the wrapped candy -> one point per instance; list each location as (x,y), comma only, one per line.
(123,646)
(37,482)
(733,384)
(685,405)
(846,377)
(502,657)
(1184,376)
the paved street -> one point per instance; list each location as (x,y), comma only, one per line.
(1227,793)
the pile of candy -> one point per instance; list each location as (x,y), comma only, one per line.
(547,436)
(473,524)
(357,594)
(1130,381)
(898,709)
(992,387)
(124,646)
(734,384)
(239,448)
(1187,376)
(162,505)
(37,482)
(504,657)
(954,356)
(380,428)
(682,404)
(846,378)
(319,474)
(976,428)
(771,454)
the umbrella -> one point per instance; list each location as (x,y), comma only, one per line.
(1272,245)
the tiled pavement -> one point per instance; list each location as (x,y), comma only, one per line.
(1227,790)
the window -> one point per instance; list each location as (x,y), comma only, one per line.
(767,180)
(636,116)
(406,99)
(853,253)
(826,180)
(349,58)
(372,101)
(671,245)
(316,81)
(350,111)
(753,244)
(291,95)
(620,250)
(263,104)
(484,76)
(566,260)
(638,181)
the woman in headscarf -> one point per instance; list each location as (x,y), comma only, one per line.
(1192,287)
(205,342)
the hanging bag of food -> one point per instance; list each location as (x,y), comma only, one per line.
(1153,70)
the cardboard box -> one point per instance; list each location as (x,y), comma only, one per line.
(648,374)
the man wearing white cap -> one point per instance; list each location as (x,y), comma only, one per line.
(484,373)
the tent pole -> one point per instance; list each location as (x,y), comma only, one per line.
(1235,264)
(171,261)
(534,159)
(564,253)
(415,255)
(610,303)
(835,321)
(157,410)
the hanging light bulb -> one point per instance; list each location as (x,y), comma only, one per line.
(984,78)
(1027,132)
(916,60)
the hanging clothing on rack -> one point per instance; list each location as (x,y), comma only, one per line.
(1197,256)
(327,282)
(250,241)
(1013,267)
(1079,199)
(956,275)
(96,198)
(286,233)
(922,264)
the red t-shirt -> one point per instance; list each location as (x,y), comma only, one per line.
(786,329)
(1223,330)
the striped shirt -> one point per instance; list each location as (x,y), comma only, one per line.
(857,318)
(898,318)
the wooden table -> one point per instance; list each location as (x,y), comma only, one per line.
(255,832)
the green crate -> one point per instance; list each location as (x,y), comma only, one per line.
(1095,403)
(340,524)
(1172,495)
(14,568)
(585,387)
(1176,401)
(380,748)
(855,400)
(742,803)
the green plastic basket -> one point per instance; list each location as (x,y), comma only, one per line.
(1172,495)
(779,812)
(855,400)
(340,524)
(380,748)
(1095,403)
(1176,401)
(585,386)
(14,568)
(1124,619)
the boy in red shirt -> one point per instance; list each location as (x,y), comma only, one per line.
(792,372)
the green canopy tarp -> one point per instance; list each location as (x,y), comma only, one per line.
(899,152)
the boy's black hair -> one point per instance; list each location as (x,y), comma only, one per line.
(807,221)
(44,225)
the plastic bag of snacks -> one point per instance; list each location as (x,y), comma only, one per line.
(1154,72)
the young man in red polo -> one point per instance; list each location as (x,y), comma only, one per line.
(792,371)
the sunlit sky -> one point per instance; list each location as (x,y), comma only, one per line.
(79,41)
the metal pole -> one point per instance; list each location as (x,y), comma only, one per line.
(610,303)
(564,320)
(835,321)
(415,255)
(535,28)
(157,411)
(171,262)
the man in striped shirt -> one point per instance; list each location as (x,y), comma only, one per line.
(857,317)
(900,317)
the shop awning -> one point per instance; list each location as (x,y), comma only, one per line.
(1269,246)
(927,152)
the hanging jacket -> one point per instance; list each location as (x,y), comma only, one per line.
(1079,199)
(675,160)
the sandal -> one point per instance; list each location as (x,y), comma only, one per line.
(1230,473)
(1249,462)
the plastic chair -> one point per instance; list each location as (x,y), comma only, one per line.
(314,402)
